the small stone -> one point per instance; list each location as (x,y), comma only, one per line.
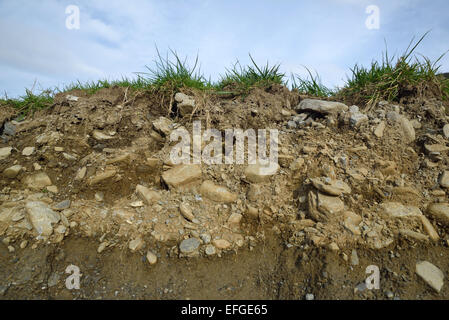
(100,177)
(52,189)
(331,187)
(102,246)
(186,212)
(446,131)
(435,148)
(398,210)
(257,173)
(59,149)
(431,274)
(439,211)
(5,152)
(37,166)
(99,196)
(217,193)
(206,238)
(354,258)
(23,244)
(72,98)
(62,205)
(61,229)
(163,126)
(379,131)
(42,217)
(210,250)
(235,219)
(444,179)
(221,244)
(147,195)
(136,244)
(321,106)
(329,204)
(28,151)
(151,258)
(310,297)
(182,175)
(137,204)
(13,171)
(81,174)
(433,234)
(100,136)
(291,124)
(189,245)
(11,249)
(185,104)
(69,156)
(37,181)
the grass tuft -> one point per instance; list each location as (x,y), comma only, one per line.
(171,74)
(312,86)
(390,78)
(243,78)
(29,103)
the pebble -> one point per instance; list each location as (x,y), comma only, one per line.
(257,173)
(12,172)
(439,211)
(136,244)
(147,195)
(221,244)
(310,297)
(189,245)
(102,246)
(151,258)
(217,193)
(354,258)
(210,250)
(431,274)
(5,152)
(182,175)
(28,151)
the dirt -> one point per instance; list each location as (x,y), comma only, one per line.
(341,188)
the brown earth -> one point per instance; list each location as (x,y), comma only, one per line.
(348,181)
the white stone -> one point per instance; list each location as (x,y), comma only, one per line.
(431,274)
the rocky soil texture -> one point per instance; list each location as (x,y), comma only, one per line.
(90,181)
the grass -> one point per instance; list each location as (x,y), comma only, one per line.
(242,78)
(175,73)
(30,102)
(387,79)
(312,86)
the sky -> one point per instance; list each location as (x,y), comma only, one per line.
(118,38)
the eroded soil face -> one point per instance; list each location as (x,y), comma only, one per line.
(90,182)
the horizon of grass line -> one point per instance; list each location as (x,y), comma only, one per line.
(381,80)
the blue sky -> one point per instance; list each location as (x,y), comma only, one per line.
(117,38)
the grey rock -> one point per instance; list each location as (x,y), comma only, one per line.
(62,205)
(42,217)
(321,106)
(189,245)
